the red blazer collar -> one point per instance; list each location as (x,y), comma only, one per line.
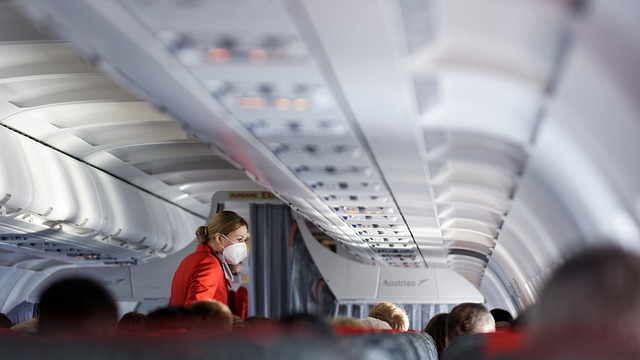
(205,248)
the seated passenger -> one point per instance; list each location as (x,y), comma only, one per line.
(259,324)
(77,307)
(171,320)
(27,327)
(306,325)
(503,318)
(376,323)
(437,329)
(131,323)
(590,307)
(348,324)
(209,316)
(396,317)
(469,318)
(5,323)
(238,323)
(5,326)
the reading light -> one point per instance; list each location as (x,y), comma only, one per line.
(252,103)
(282,104)
(301,104)
(258,56)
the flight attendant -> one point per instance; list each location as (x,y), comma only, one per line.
(204,274)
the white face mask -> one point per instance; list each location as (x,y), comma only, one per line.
(234,253)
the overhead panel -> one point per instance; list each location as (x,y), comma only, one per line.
(253,62)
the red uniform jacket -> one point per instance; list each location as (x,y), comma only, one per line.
(199,277)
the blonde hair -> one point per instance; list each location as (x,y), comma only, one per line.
(223,222)
(348,322)
(396,317)
(376,323)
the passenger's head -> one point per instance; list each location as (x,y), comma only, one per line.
(396,317)
(27,327)
(238,323)
(260,323)
(437,329)
(599,288)
(175,319)
(467,319)
(345,322)
(376,323)
(77,307)
(305,325)
(131,323)
(5,323)
(225,229)
(211,316)
(502,318)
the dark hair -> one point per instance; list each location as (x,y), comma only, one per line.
(77,306)
(501,315)
(599,287)
(437,328)
(306,324)
(131,322)
(5,322)
(168,318)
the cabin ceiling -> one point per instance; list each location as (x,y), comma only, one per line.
(418,133)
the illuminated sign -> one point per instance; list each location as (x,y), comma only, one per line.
(251,195)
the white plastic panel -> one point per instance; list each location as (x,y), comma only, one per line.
(575,178)
(16,284)
(174,228)
(355,282)
(51,188)
(515,38)
(25,59)
(507,267)
(127,211)
(496,294)
(485,105)
(16,189)
(88,210)
(599,96)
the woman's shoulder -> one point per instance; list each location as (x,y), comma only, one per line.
(207,259)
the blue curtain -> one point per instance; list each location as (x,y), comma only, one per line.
(23,312)
(283,279)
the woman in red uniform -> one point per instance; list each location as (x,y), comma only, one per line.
(204,274)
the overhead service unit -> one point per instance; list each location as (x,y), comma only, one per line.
(354,282)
